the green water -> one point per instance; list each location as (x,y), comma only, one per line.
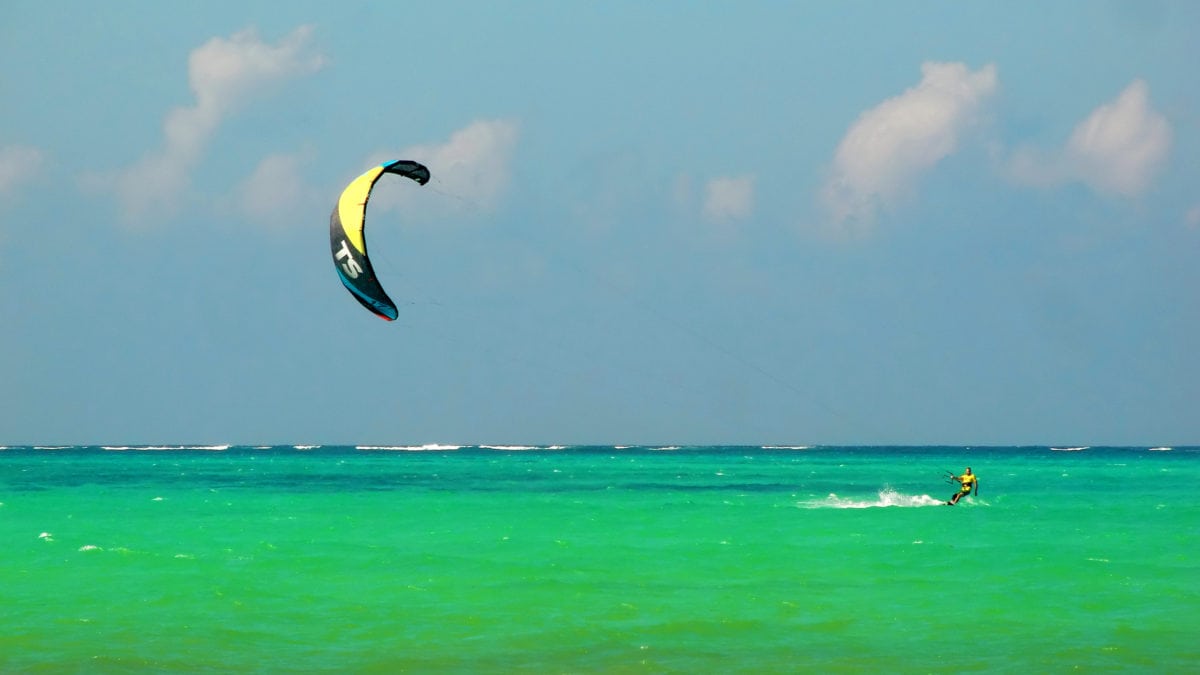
(598,560)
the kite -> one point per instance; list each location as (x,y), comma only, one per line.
(346,240)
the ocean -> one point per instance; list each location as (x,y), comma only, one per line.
(447,559)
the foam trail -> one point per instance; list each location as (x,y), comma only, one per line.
(887,497)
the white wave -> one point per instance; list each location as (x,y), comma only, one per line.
(428,447)
(90,547)
(164,447)
(509,447)
(887,497)
(46,536)
(306,447)
(1161,449)
(786,447)
(51,447)
(667,447)
(1082,447)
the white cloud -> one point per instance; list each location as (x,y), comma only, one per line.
(1192,217)
(728,199)
(275,191)
(723,200)
(887,148)
(1117,149)
(223,73)
(18,164)
(472,170)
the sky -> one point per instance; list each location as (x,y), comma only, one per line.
(649,223)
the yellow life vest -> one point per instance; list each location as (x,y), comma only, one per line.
(967,480)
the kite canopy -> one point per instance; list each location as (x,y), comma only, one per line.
(346,236)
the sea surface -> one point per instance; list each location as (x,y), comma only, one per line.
(434,559)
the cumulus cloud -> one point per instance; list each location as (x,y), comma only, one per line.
(889,146)
(1192,217)
(223,74)
(471,170)
(18,164)
(723,201)
(728,199)
(275,191)
(1117,149)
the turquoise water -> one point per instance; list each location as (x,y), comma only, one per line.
(598,559)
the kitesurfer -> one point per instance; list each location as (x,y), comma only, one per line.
(967,482)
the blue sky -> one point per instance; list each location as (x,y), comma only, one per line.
(809,223)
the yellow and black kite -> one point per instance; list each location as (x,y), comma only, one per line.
(346,236)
